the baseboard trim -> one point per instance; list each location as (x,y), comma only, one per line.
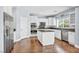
(39,42)
(21,39)
(57,38)
(17,40)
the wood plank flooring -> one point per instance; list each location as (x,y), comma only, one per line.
(32,45)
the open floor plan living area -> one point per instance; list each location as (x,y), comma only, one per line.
(39,29)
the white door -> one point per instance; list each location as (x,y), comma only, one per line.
(8,32)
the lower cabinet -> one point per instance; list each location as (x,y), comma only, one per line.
(39,34)
(46,38)
(58,34)
(71,38)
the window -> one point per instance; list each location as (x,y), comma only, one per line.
(64,21)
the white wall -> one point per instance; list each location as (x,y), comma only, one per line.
(17,24)
(22,25)
(52,21)
(8,10)
(77,26)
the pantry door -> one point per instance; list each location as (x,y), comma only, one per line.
(8,33)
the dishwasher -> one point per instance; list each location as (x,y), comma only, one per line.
(64,35)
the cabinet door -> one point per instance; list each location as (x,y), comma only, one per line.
(58,34)
(64,35)
(71,37)
(39,34)
(48,38)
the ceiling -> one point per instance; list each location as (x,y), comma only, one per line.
(43,10)
(47,10)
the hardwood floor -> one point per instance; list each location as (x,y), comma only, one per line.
(66,46)
(32,45)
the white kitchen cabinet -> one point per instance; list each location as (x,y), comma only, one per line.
(71,37)
(39,34)
(58,34)
(46,38)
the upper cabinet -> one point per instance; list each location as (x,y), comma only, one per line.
(72,20)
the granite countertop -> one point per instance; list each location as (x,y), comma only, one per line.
(66,28)
(45,30)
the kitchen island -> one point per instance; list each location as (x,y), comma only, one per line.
(66,34)
(46,36)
